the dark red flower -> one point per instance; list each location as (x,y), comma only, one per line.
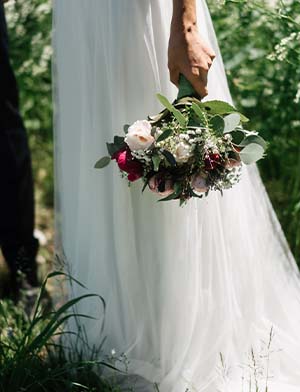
(211,161)
(128,164)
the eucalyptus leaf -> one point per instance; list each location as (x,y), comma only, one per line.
(231,122)
(252,153)
(218,125)
(237,136)
(254,139)
(102,162)
(167,133)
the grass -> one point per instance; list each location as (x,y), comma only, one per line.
(37,355)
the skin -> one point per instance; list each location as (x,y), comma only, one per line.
(188,53)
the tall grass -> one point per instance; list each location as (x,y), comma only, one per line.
(34,351)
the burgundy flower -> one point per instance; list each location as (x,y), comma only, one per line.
(211,161)
(128,164)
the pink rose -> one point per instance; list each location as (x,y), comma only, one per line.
(128,164)
(199,183)
(159,184)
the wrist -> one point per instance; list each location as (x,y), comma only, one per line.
(184,18)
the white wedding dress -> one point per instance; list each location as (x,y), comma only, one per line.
(181,285)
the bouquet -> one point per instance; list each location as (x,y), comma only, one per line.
(187,150)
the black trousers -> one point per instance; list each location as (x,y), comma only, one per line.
(16,185)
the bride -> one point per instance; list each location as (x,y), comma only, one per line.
(191,291)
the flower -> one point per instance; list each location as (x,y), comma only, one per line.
(159,184)
(183,152)
(211,161)
(199,183)
(128,164)
(139,136)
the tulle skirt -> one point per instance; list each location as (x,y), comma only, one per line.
(189,291)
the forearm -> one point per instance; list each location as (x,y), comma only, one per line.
(184,17)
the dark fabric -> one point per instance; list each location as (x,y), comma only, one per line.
(9,100)
(16,187)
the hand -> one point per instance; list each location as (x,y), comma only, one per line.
(190,55)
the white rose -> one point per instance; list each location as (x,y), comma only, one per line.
(183,152)
(139,136)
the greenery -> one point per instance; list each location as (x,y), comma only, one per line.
(35,355)
(29,28)
(260,44)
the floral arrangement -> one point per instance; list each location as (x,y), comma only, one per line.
(188,149)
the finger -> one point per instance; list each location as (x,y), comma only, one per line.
(211,54)
(194,77)
(174,76)
(203,76)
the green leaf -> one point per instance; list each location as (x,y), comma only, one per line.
(164,135)
(180,117)
(217,123)
(125,128)
(254,139)
(165,102)
(231,122)
(199,113)
(252,153)
(119,140)
(145,185)
(156,159)
(175,194)
(169,157)
(102,162)
(158,117)
(218,107)
(221,107)
(185,88)
(177,114)
(237,136)
(112,148)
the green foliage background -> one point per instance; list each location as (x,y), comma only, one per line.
(260,44)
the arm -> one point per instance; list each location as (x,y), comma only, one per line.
(188,53)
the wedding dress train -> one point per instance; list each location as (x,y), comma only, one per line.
(184,287)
